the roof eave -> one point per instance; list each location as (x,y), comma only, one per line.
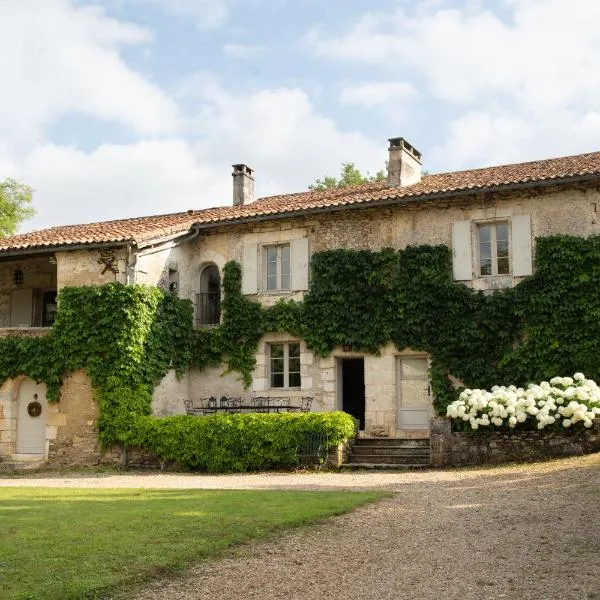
(48,249)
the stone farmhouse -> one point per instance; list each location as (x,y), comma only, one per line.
(490,218)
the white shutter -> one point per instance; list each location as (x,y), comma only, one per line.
(521,246)
(250,269)
(462,257)
(299,263)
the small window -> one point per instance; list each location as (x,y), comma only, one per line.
(284,365)
(494,249)
(277,267)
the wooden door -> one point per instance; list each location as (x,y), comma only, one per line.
(414,402)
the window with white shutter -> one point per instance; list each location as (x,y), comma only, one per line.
(492,248)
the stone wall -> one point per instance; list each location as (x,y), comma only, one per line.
(453,449)
(73,433)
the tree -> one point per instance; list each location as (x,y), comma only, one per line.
(15,205)
(349,175)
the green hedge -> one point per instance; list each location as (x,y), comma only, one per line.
(233,442)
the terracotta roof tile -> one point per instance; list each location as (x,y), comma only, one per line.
(142,229)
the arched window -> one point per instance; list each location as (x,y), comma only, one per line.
(208,301)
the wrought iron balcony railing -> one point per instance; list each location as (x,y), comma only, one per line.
(208,308)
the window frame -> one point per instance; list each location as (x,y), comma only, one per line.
(286,365)
(493,225)
(278,267)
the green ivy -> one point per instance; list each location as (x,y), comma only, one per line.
(127,337)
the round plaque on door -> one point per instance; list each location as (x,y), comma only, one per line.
(34,409)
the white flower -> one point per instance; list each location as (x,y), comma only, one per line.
(579,377)
(567,423)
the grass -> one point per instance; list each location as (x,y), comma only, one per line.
(76,543)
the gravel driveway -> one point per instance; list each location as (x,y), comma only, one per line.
(525,532)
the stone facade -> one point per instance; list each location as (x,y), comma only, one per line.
(452,449)
(177,265)
(558,211)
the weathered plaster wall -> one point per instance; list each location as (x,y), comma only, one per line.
(169,394)
(85,267)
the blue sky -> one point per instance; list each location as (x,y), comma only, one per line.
(120,108)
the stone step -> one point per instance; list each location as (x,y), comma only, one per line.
(391,450)
(422,459)
(350,466)
(8,465)
(384,442)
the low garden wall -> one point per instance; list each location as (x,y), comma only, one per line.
(456,449)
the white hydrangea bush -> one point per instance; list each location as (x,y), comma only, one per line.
(563,402)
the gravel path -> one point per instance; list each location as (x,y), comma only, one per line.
(525,532)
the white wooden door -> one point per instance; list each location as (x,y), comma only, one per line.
(21,307)
(414,402)
(32,415)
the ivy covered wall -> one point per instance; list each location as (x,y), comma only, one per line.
(127,337)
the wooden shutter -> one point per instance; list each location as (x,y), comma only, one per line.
(299,264)
(250,269)
(462,256)
(521,246)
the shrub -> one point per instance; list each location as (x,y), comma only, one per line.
(562,402)
(233,442)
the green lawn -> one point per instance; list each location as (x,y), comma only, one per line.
(74,543)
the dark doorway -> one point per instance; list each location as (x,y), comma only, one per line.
(353,388)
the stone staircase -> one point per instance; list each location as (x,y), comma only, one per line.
(388,453)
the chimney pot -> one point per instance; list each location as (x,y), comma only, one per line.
(243,184)
(404,165)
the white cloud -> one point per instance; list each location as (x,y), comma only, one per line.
(117,181)
(242,51)
(376,93)
(207,14)
(277,132)
(514,79)
(57,59)
(280,134)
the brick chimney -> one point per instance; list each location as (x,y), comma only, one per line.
(243,185)
(404,166)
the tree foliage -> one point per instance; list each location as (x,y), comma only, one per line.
(15,205)
(349,176)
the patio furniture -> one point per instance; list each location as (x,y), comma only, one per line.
(259,404)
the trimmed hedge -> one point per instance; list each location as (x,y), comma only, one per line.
(233,442)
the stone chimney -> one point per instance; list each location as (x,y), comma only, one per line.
(404,166)
(243,185)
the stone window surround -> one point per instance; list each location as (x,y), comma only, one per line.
(286,365)
(261,379)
